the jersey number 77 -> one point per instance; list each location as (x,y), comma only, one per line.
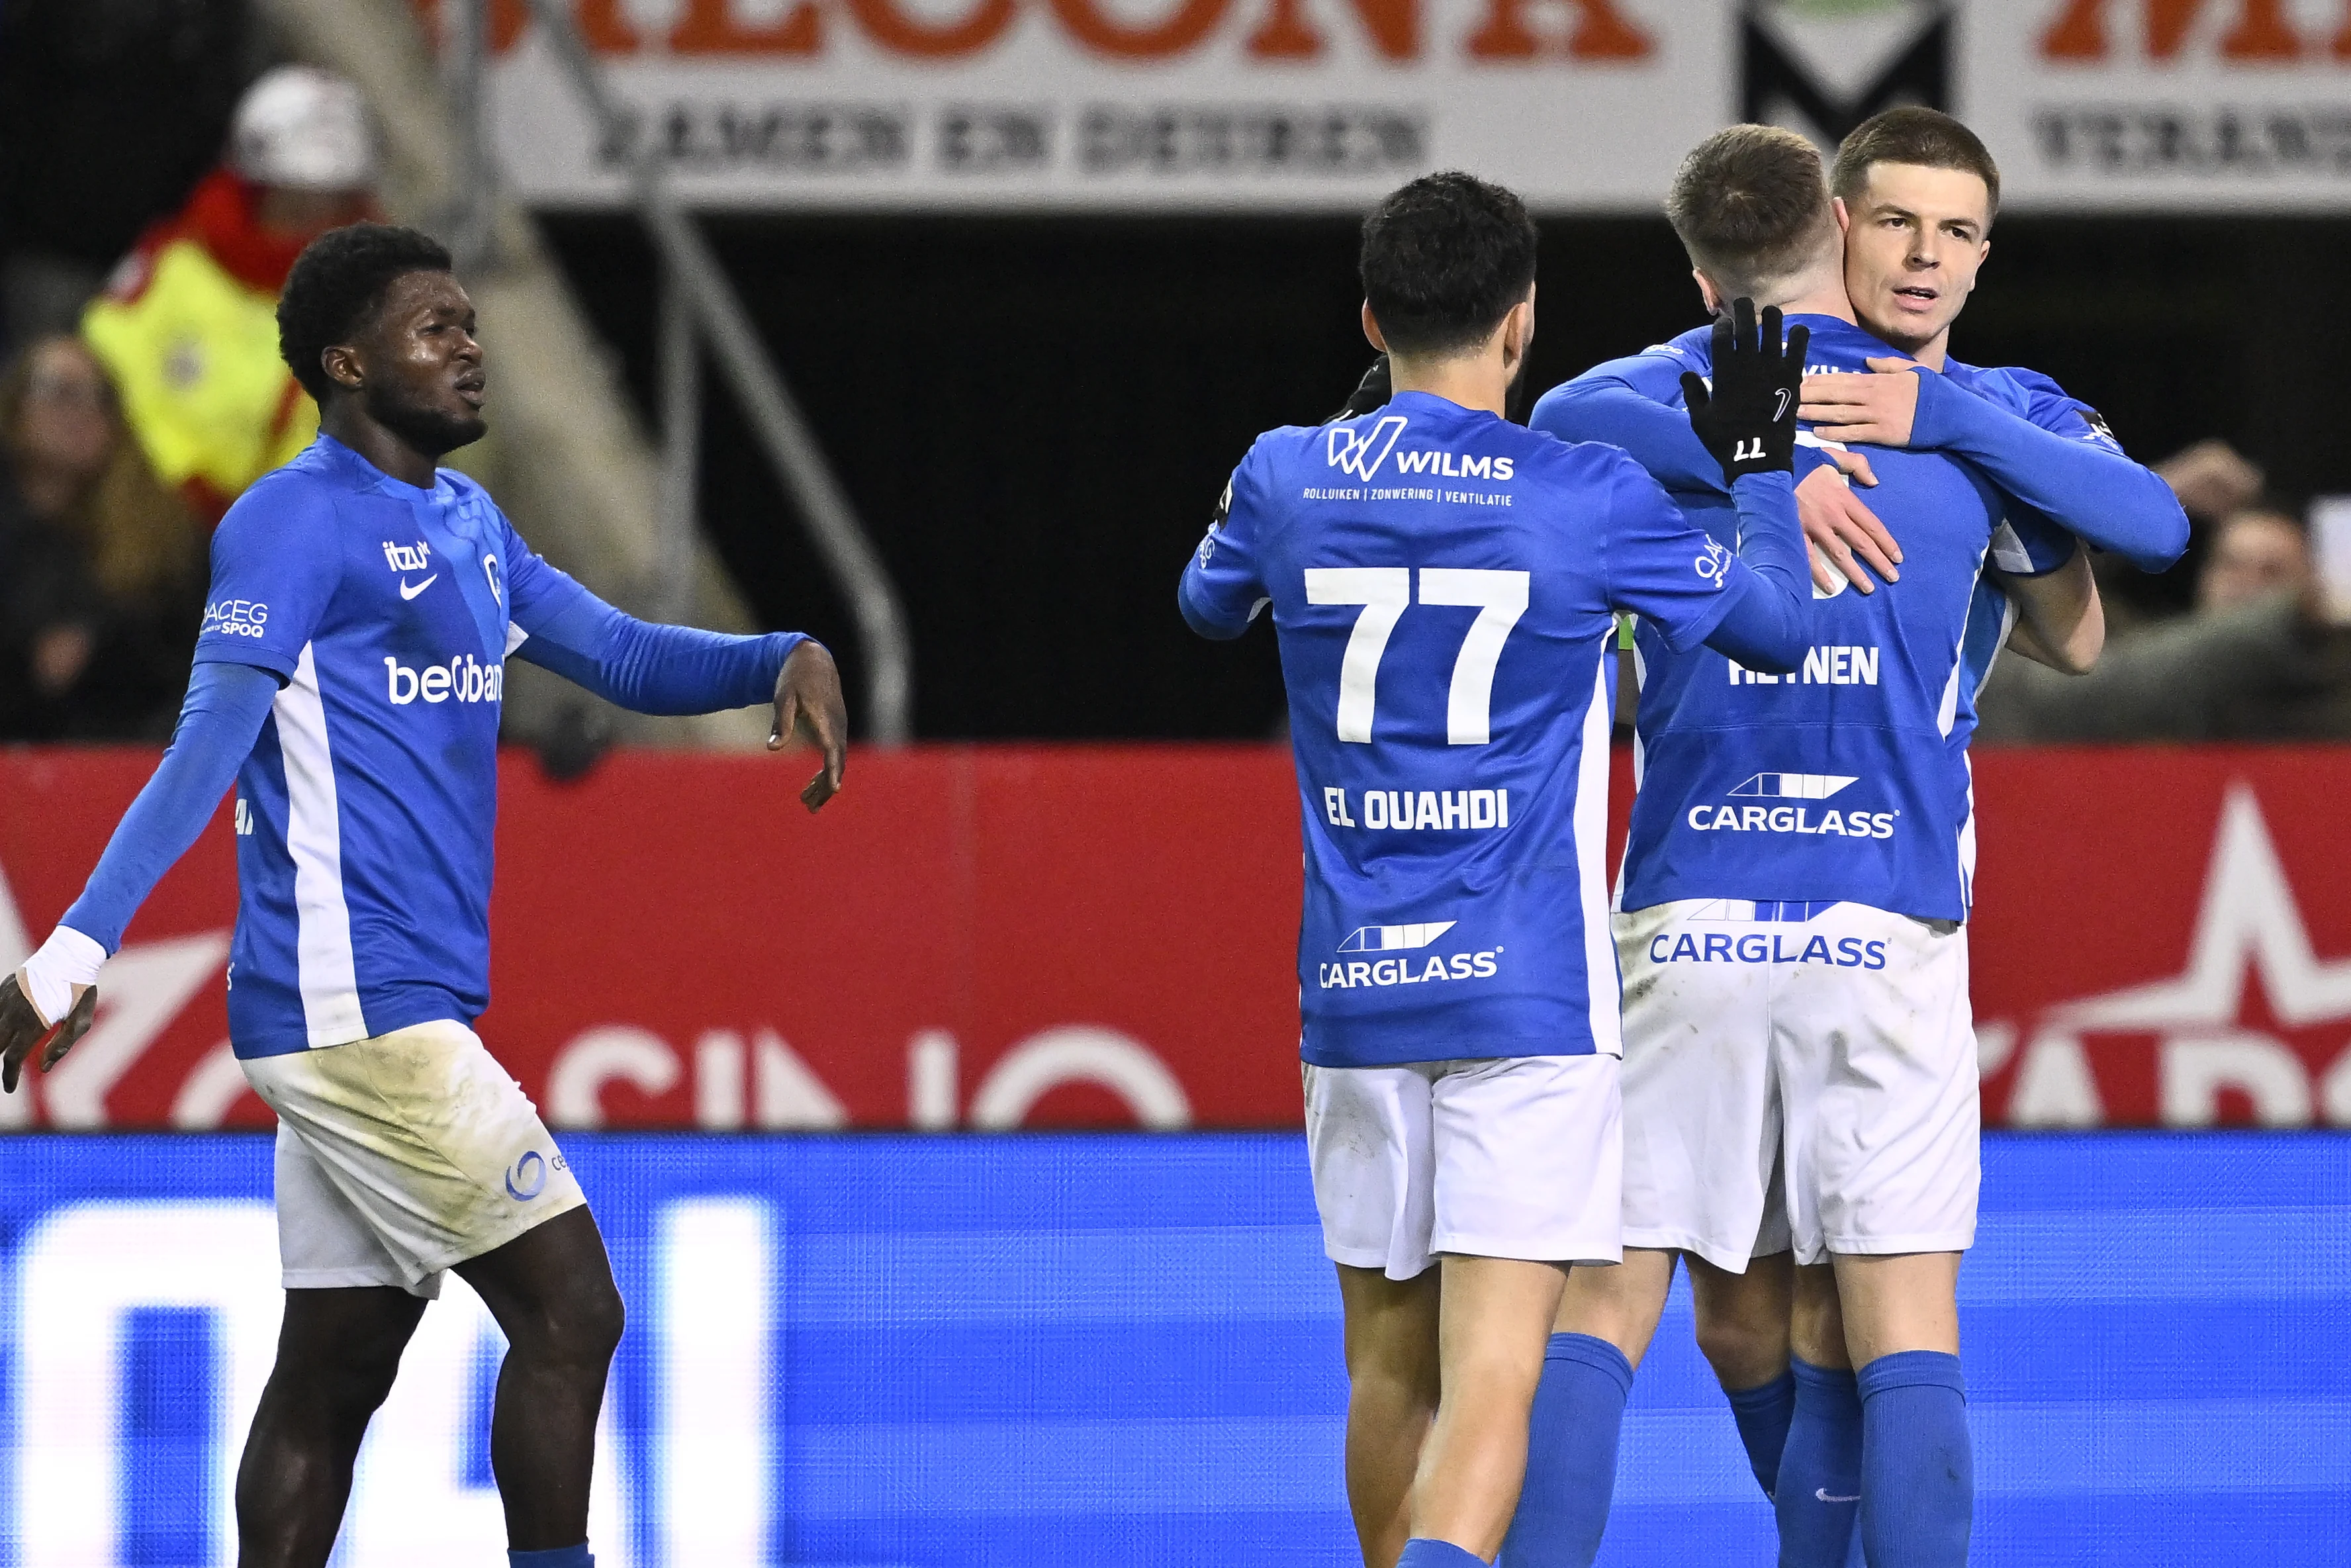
(1385,592)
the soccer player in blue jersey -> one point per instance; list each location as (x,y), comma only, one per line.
(348,678)
(1443,585)
(1800,1065)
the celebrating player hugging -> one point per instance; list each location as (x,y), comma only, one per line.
(348,678)
(1798,1062)
(1444,585)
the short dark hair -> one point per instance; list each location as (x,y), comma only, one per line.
(337,282)
(1749,205)
(1443,260)
(1910,134)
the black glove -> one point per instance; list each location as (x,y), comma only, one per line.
(1749,420)
(1370,393)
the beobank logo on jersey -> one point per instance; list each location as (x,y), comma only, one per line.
(464,679)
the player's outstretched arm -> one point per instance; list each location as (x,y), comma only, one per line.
(2067,468)
(50,1003)
(648,667)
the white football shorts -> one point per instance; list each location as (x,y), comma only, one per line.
(1804,1079)
(400,1155)
(1514,1156)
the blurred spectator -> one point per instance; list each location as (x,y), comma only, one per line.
(101,580)
(109,110)
(188,324)
(2264,657)
(2212,479)
(2256,551)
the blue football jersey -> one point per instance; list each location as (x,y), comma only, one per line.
(366,809)
(1847,779)
(1443,585)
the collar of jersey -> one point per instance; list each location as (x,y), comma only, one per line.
(376,478)
(1430,402)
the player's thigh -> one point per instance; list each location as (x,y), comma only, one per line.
(1529,1159)
(1701,1115)
(342,1345)
(1880,1080)
(429,1139)
(1391,1328)
(1368,1144)
(325,1242)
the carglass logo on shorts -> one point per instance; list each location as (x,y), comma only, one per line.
(1416,938)
(1746,812)
(235,617)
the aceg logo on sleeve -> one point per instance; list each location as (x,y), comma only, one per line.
(235,617)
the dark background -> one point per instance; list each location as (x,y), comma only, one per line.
(1034,417)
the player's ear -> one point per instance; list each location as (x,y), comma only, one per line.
(1519,332)
(341,363)
(1372,329)
(1844,215)
(1708,295)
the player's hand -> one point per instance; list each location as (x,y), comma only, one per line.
(1371,392)
(808,707)
(1879,408)
(1840,528)
(23,1028)
(1749,418)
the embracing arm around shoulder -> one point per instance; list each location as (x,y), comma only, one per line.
(2059,460)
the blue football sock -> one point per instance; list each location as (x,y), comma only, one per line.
(1819,1489)
(1918,1466)
(1571,1455)
(554,1557)
(1422,1553)
(1763,1413)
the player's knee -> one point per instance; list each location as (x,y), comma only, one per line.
(1742,1350)
(587,1327)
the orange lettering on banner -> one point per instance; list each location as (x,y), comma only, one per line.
(1192,21)
(902,35)
(2261,31)
(709,28)
(1600,34)
(1285,34)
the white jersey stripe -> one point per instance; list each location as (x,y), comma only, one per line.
(314,842)
(1591,867)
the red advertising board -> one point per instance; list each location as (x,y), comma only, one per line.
(993,937)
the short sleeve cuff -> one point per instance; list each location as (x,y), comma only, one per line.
(260,658)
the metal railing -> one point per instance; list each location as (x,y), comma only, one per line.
(699,304)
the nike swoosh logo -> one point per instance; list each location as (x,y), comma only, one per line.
(1823,1493)
(408,593)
